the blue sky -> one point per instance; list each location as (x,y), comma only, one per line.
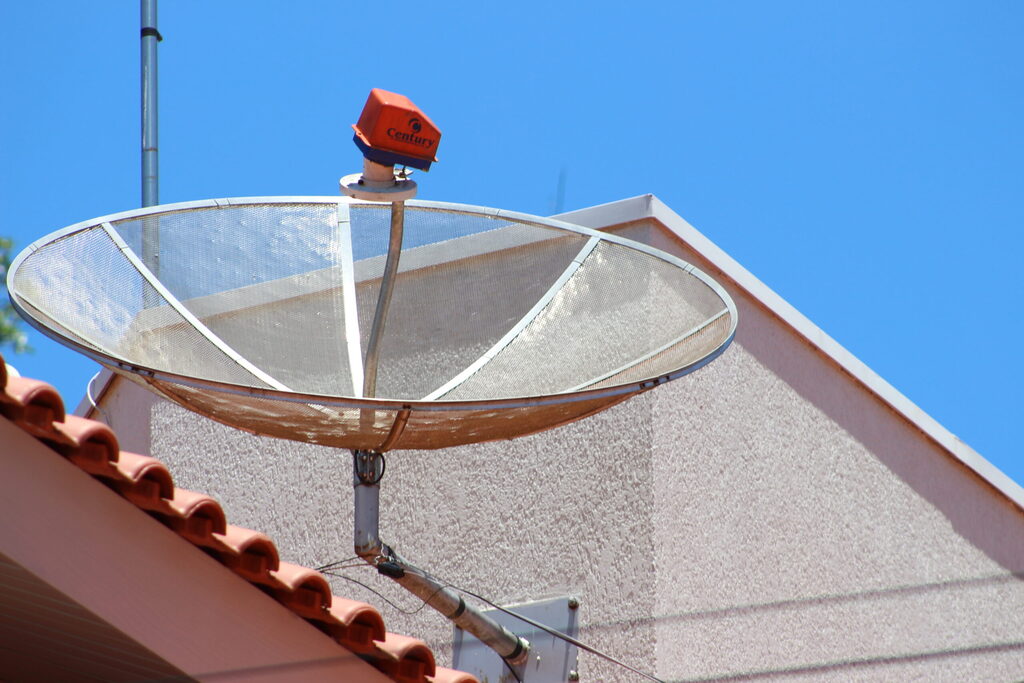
(863,159)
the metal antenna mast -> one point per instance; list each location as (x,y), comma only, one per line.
(150,167)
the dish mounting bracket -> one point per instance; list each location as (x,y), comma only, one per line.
(368,470)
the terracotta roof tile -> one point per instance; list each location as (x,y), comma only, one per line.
(250,554)
(356,625)
(197,517)
(91,445)
(407,659)
(451,676)
(142,479)
(90,438)
(37,408)
(304,591)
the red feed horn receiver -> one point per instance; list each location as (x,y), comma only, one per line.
(392,131)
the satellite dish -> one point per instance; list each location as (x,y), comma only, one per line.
(372,322)
(256,312)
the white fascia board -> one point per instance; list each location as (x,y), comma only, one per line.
(649,206)
(616,213)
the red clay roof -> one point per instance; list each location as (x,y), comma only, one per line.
(37,409)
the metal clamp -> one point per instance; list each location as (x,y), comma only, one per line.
(367,468)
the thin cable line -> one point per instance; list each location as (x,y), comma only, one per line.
(338,563)
(536,624)
(558,634)
(341,564)
(554,632)
(377,593)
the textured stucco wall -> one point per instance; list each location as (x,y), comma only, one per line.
(785,546)
(564,513)
(765,518)
(805,530)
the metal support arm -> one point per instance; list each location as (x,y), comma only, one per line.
(368,469)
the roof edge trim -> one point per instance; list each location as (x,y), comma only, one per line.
(743,278)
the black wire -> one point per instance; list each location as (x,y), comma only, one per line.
(337,563)
(509,666)
(383,468)
(375,592)
(355,565)
(361,565)
(330,568)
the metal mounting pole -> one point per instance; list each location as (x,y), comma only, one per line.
(150,166)
(150,171)
(368,468)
